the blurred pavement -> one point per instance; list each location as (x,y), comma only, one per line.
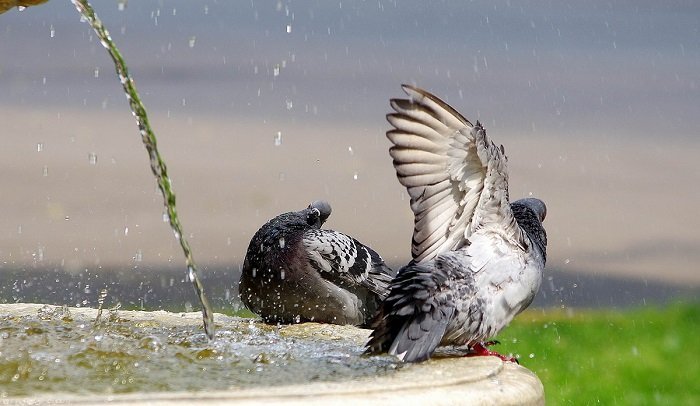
(596,106)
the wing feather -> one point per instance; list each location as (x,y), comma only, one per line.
(456,178)
(346,261)
(408,140)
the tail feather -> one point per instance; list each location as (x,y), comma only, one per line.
(419,338)
(413,319)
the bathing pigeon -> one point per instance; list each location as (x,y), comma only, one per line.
(295,271)
(477,258)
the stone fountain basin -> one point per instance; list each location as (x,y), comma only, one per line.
(324,365)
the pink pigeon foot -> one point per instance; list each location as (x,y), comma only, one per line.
(481,349)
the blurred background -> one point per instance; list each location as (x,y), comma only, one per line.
(262,107)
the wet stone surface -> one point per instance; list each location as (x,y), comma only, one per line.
(49,349)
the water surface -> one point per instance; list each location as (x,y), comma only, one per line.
(54,349)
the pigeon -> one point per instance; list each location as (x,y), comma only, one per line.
(477,258)
(294,271)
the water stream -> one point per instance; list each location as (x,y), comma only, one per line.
(157,163)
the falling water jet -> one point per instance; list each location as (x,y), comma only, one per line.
(157,164)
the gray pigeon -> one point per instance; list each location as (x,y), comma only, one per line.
(294,271)
(477,258)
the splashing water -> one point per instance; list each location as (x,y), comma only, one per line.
(157,164)
(49,350)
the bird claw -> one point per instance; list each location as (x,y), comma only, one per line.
(480,350)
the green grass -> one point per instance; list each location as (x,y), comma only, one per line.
(646,356)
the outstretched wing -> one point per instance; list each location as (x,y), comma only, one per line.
(455,176)
(347,262)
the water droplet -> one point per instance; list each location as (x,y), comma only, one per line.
(39,255)
(166,218)
(282,274)
(92,158)
(278,138)
(282,242)
(21,8)
(289,28)
(139,255)
(276,70)
(193,39)
(190,274)
(290,104)
(206,9)
(532,355)
(350,151)
(126,231)
(121,5)
(45,171)
(52,31)
(43,80)
(354,176)
(39,147)
(566,261)
(67,218)
(97,72)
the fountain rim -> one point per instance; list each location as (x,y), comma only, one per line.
(446,380)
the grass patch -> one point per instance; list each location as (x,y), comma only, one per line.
(639,357)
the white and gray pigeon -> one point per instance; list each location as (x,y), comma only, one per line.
(295,271)
(477,258)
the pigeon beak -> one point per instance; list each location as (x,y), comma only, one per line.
(323,209)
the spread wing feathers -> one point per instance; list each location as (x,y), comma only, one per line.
(455,176)
(413,319)
(346,262)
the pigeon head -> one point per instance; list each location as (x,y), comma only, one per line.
(535,205)
(317,213)
(530,213)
